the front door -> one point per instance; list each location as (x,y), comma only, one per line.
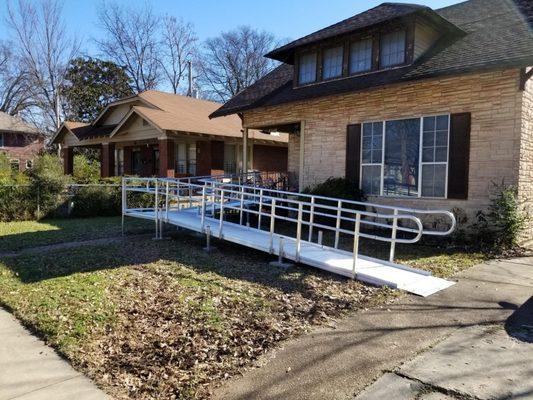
(136,162)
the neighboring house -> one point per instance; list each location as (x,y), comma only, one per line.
(20,141)
(162,134)
(418,107)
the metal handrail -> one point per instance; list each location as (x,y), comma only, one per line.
(219,194)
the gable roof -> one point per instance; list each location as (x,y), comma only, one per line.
(385,12)
(9,123)
(497,34)
(167,112)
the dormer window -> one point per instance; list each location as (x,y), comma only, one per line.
(361,56)
(332,65)
(307,68)
(392,49)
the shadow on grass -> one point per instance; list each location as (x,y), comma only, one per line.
(20,235)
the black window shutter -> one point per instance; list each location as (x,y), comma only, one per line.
(459,156)
(353,153)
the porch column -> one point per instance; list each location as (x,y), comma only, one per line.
(166,158)
(245,151)
(107,160)
(68,160)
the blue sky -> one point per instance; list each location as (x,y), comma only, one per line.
(285,18)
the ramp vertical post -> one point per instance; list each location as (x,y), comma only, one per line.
(241,205)
(338,223)
(178,184)
(311,218)
(123,202)
(356,243)
(156,209)
(202,216)
(213,199)
(190,192)
(221,220)
(260,208)
(272,220)
(393,236)
(299,232)
(166,201)
(320,233)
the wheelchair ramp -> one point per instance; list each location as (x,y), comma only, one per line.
(208,216)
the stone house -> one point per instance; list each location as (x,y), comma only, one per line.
(418,107)
(20,141)
(162,134)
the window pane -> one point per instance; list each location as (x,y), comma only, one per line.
(434,180)
(441,138)
(441,154)
(372,143)
(307,68)
(427,154)
(402,139)
(392,49)
(442,123)
(371,182)
(361,56)
(429,138)
(332,62)
(429,124)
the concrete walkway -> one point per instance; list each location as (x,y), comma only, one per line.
(31,370)
(339,363)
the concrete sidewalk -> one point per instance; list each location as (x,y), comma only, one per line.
(31,370)
(339,363)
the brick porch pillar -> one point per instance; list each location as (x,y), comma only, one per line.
(107,160)
(166,158)
(68,160)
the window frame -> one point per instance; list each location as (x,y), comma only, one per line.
(2,140)
(314,52)
(340,46)
(405,48)
(372,40)
(420,163)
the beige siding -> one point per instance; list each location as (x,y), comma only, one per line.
(525,173)
(425,37)
(493,99)
(70,140)
(115,114)
(134,129)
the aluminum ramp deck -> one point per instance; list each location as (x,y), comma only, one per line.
(370,270)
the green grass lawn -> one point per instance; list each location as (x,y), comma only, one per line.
(163,319)
(15,236)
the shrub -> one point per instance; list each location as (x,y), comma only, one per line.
(48,183)
(15,193)
(92,201)
(340,188)
(501,226)
(86,170)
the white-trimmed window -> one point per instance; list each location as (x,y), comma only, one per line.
(372,158)
(119,162)
(307,68)
(332,64)
(435,137)
(361,56)
(2,139)
(392,49)
(406,157)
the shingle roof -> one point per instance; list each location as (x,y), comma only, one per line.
(84,131)
(9,123)
(497,36)
(383,12)
(167,111)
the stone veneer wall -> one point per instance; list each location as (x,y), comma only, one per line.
(525,174)
(493,98)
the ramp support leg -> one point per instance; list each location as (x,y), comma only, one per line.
(280,263)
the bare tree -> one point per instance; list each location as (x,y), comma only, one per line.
(44,49)
(132,42)
(233,61)
(178,46)
(15,93)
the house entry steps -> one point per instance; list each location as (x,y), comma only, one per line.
(247,211)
